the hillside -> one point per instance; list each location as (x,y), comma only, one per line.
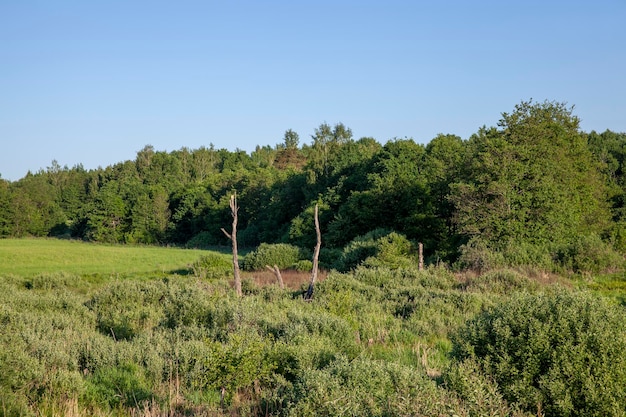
(533,190)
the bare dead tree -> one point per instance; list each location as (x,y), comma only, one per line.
(233,237)
(309,293)
(278,275)
(420,265)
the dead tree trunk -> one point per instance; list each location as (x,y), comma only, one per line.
(233,237)
(279,277)
(316,255)
(420,265)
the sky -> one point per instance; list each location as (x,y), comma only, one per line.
(94,82)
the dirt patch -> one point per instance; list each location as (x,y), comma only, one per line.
(293,279)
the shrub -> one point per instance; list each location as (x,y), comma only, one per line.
(478,256)
(282,254)
(202,240)
(303,266)
(479,392)
(564,353)
(481,256)
(329,257)
(49,281)
(233,365)
(124,309)
(212,265)
(13,404)
(123,385)
(367,387)
(589,254)
(377,248)
(501,282)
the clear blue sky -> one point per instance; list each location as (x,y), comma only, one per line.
(93,82)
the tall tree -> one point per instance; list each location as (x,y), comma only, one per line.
(107,215)
(289,154)
(291,139)
(5,212)
(395,197)
(326,142)
(531,179)
(443,164)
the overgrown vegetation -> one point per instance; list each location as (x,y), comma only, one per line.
(558,352)
(516,313)
(384,340)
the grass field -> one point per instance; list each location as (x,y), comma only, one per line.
(29,257)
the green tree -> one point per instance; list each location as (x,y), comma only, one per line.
(149,211)
(326,142)
(191,209)
(291,139)
(395,197)
(5,211)
(532,179)
(443,164)
(204,163)
(106,215)
(609,149)
(288,153)
(34,206)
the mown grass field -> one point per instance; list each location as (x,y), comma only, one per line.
(29,257)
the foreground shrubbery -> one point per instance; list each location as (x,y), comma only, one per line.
(182,344)
(563,353)
(375,341)
(282,255)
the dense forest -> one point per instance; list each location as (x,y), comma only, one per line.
(533,190)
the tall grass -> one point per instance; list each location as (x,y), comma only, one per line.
(373,341)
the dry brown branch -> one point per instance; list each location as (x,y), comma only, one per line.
(278,275)
(233,237)
(316,255)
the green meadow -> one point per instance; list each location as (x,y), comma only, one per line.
(28,257)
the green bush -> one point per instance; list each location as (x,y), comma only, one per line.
(563,353)
(304,265)
(589,254)
(186,306)
(367,387)
(479,392)
(234,364)
(123,309)
(281,254)
(13,404)
(329,257)
(213,265)
(123,385)
(480,256)
(49,281)
(377,248)
(503,281)
(202,240)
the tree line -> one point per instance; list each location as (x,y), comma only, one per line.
(535,186)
